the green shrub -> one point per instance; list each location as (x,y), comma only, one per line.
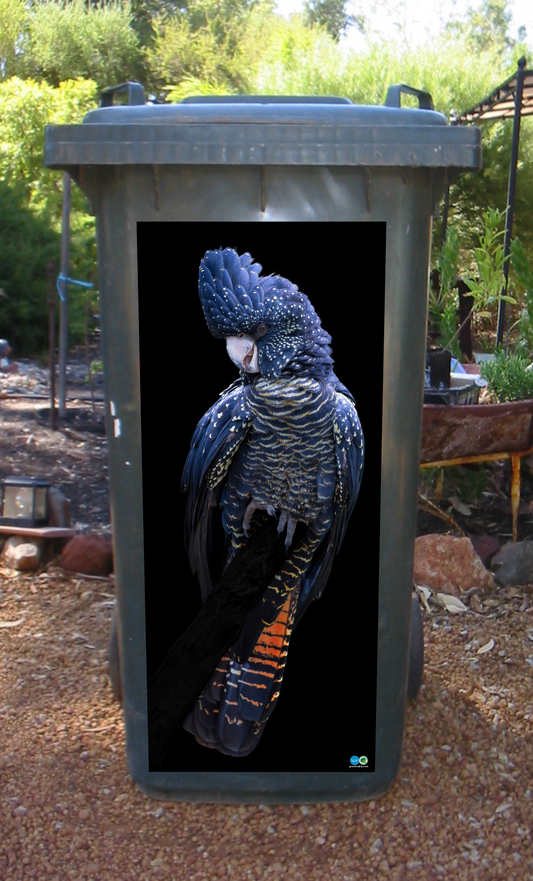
(508,376)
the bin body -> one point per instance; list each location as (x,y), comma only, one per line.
(263,163)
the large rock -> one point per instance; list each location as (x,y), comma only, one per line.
(441,559)
(88,555)
(515,563)
(485,547)
(22,553)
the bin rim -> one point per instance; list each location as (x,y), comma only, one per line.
(290,130)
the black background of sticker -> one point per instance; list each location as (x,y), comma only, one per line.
(326,711)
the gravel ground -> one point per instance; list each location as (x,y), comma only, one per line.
(462,806)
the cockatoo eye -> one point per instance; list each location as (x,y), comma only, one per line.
(262,328)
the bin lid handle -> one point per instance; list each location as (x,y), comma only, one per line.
(265,99)
(135,94)
(393,99)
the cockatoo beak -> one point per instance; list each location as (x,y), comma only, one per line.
(243,353)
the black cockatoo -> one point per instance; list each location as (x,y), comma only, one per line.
(284,441)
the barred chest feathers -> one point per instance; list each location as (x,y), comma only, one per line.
(291,444)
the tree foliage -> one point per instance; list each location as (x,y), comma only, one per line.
(13,23)
(522,276)
(207,44)
(486,27)
(56,54)
(333,16)
(30,206)
(26,107)
(56,41)
(27,244)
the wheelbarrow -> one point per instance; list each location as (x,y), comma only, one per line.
(464,434)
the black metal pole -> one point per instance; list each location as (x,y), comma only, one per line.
(511,193)
(63,307)
(52,294)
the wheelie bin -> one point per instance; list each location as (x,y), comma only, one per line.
(344,195)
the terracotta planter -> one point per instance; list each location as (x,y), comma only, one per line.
(452,432)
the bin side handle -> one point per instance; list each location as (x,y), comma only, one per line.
(393,99)
(135,94)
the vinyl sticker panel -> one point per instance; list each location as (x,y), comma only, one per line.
(324,719)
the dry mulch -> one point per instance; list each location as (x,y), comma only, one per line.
(461,808)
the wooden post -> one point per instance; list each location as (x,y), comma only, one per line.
(63,312)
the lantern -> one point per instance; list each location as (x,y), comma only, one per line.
(25,501)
